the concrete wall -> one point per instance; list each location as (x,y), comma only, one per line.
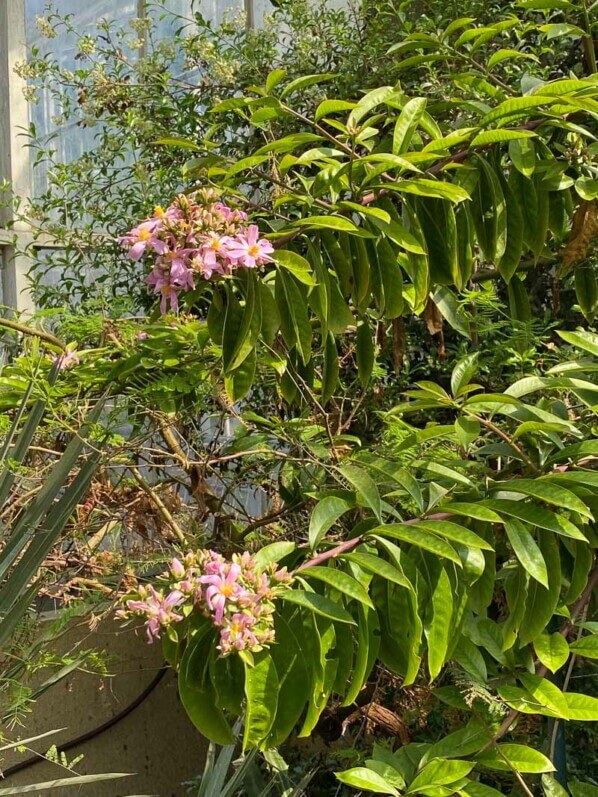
(156,741)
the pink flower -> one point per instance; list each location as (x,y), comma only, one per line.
(249,250)
(142,237)
(169,281)
(221,587)
(66,360)
(177,568)
(237,633)
(207,258)
(158,610)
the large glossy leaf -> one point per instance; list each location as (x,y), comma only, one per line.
(319,604)
(363,778)
(197,692)
(261,692)
(503,757)
(325,515)
(439,630)
(341,581)
(526,550)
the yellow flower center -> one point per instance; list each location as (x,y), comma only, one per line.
(144,234)
(159,212)
(253,251)
(227,590)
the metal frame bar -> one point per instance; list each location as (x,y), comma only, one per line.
(14,156)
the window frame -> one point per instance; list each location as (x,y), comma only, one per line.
(16,237)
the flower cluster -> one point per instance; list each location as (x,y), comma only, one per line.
(236,595)
(195,236)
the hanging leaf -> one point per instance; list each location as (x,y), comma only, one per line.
(439,629)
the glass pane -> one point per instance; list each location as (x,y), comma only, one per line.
(70,140)
(171,15)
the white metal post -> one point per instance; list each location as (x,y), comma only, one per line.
(14,156)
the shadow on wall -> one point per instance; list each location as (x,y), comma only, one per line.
(155,741)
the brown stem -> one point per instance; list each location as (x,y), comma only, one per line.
(161,506)
(504,436)
(36,333)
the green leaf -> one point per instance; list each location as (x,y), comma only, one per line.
(369,102)
(439,631)
(183,143)
(332,106)
(489,212)
(519,757)
(297,265)
(518,106)
(365,486)
(546,491)
(328,223)
(274,78)
(295,326)
(508,55)
(362,778)
(526,550)
(582,707)
(261,692)
(475,511)
(587,188)
(450,309)
(326,513)
(579,789)
(319,604)
(581,339)
(463,372)
(420,538)
(379,567)
(63,783)
(407,124)
(288,143)
(546,693)
(197,692)
(541,603)
(499,137)
(330,370)
(439,226)
(368,643)
(455,532)
(290,660)
(305,82)
(341,581)
(586,646)
(462,742)
(438,189)
(523,155)
(536,516)
(440,772)
(273,553)
(552,788)
(365,353)
(399,235)
(246,163)
(552,650)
